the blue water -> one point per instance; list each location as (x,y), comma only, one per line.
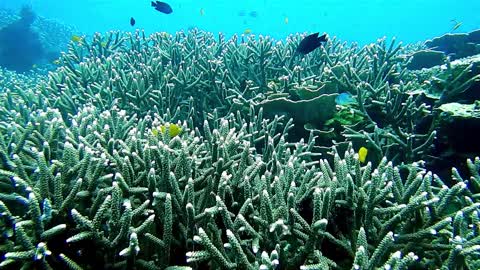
(360,21)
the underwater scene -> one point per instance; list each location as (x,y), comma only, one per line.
(270,135)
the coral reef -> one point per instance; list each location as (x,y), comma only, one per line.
(163,73)
(454,81)
(195,74)
(426,59)
(87,181)
(456,45)
(28,40)
(106,192)
(20,47)
(316,110)
(12,80)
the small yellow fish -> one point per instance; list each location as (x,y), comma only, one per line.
(173,128)
(202,12)
(103,44)
(247,31)
(56,62)
(286,20)
(77,39)
(362,154)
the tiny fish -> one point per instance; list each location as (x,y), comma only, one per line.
(310,43)
(76,39)
(174,130)
(456,25)
(247,31)
(286,20)
(162,7)
(241,13)
(362,154)
(344,99)
(253,14)
(132,21)
(202,12)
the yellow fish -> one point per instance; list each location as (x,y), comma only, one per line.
(247,31)
(362,154)
(103,44)
(76,39)
(56,62)
(202,11)
(173,128)
(286,20)
(34,66)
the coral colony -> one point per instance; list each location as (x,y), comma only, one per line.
(193,151)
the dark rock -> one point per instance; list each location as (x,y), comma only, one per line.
(457,137)
(474,36)
(20,46)
(426,59)
(456,45)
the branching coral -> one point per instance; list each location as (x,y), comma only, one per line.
(87,181)
(220,199)
(192,74)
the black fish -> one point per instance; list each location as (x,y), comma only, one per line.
(162,7)
(132,21)
(310,43)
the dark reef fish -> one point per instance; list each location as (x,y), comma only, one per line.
(162,7)
(132,21)
(20,46)
(310,43)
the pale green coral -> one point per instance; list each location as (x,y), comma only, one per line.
(228,189)
(84,181)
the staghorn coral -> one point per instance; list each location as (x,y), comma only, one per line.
(195,74)
(20,82)
(105,192)
(85,183)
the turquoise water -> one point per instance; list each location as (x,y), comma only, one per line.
(361,21)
